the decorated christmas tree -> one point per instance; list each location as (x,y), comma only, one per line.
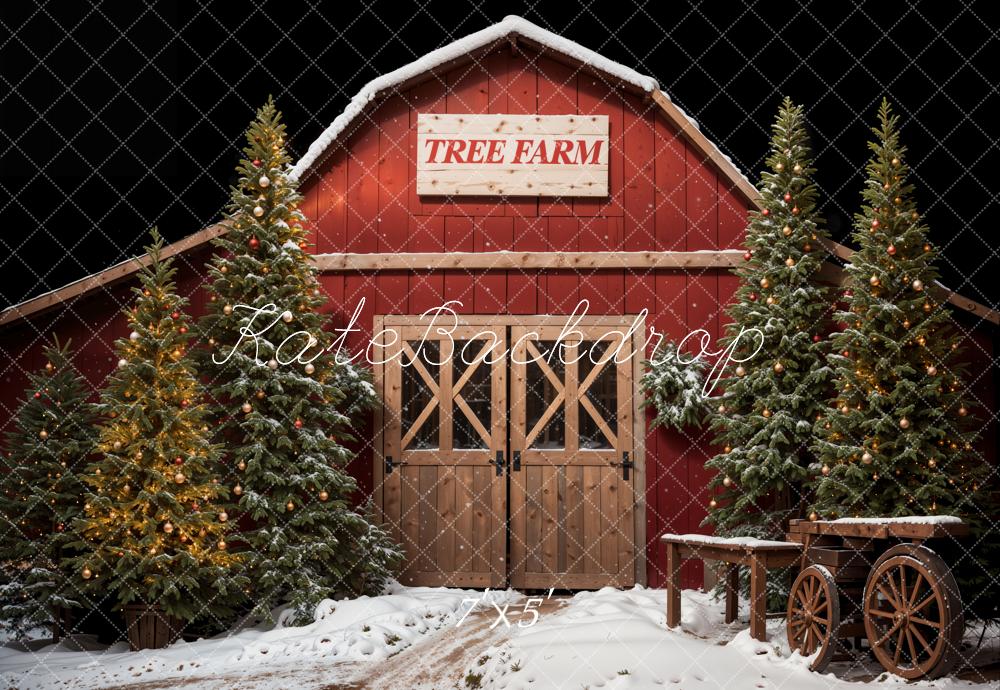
(779,320)
(285,415)
(896,439)
(153,530)
(51,436)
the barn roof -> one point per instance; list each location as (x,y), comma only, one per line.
(511,28)
(514,27)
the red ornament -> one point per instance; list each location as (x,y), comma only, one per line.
(37,395)
(254,243)
(788,197)
(891,250)
(752,296)
(178,460)
(185,403)
(847,353)
(298,423)
(875,223)
(182,329)
(795,210)
(816,338)
(175,315)
(765,212)
(747,255)
(256,162)
(848,294)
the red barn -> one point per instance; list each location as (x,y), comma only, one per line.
(511,174)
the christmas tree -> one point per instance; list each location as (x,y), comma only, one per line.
(778,322)
(285,418)
(153,530)
(52,434)
(896,439)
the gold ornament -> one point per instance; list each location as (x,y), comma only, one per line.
(932,463)
(43,434)
(222,545)
(797,169)
(740,371)
(223,269)
(765,283)
(867,458)
(787,230)
(904,423)
(86,573)
(247,408)
(895,162)
(258,211)
(769,300)
(962,411)
(931,370)
(779,166)
(874,280)
(241,465)
(727,482)
(766,413)
(825,471)
(260,395)
(906,323)
(168,527)
(713,503)
(722,409)
(727,449)
(238,490)
(289,506)
(845,409)
(227,310)
(223,516)
(323,495)
(789,262)
(813,517)
(778,367)
(918,285)
(179,478)
(49,367)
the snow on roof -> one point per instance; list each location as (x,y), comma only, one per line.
(511,24)
(911,519)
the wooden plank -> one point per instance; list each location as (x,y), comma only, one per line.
(533,518)
(609,520)
(428,533)
(523,284)
(562,287)
(522,97)
(575,507)
(639,173)
(512,125)
(594,98)
(495,234)
(446,520)
(426,287)
(732,593)
(561,527)
(551,527)
(572,181)
(459,236)
(411,508)
(556,95)
(499,507)
(592,519)
(673,586)
(524,259)
(465,505)
(482,524)
(362,191)
(758,600)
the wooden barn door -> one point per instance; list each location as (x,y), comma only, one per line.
(445,418)
(571,481)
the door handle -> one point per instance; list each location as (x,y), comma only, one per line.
(389,464)
(517,461)
(625,463)
(500,463)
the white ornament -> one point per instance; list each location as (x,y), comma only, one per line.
(273,364)
(263,181)
(133,336)
(227,310)
(122,363)
(287,316)
(310,368)
(258,211)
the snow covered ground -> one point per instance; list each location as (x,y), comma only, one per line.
(408,639)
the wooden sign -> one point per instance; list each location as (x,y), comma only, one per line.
(512,155)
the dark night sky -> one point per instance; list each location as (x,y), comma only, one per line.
(116,117)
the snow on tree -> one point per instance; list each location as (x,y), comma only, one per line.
(765,416)
(52,434)
(897,438)
(154,530)
(286,419)
(674,386)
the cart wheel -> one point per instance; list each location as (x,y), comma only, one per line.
(814,615)
(913,613)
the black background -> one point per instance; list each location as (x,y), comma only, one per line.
(116,117)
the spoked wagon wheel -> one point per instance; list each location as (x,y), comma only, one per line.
(913,613)
(814,615)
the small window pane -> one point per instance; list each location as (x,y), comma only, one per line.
(477,394)
(417,395)
(540,393)
(602,394)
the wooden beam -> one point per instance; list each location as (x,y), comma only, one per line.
(432,261)
(106,277)
(692,134)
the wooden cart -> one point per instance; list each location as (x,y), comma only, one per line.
(877,580)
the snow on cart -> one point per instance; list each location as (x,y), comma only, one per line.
(877,579)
